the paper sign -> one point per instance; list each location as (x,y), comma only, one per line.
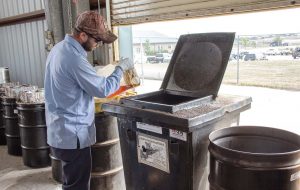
(153,151)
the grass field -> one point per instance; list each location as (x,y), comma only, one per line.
(283,74)
(271,74)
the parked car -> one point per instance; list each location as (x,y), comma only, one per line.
(151,59)
(233,57)
(242,54)
(162,57)
(250,57)
(296,52)
(285,44)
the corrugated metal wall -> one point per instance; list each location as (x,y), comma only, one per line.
(139,11)
(22,46)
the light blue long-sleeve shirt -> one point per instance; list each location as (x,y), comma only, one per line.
(70,85)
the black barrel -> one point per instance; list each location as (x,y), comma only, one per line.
(2,126)
(107,168)
(33,131)
(254,158)
(56,169)
(12,131)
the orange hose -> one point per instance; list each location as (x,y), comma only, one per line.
(120,91)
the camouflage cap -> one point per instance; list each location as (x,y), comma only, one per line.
(95,25)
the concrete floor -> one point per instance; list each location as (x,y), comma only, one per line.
(15,176)
(273,108)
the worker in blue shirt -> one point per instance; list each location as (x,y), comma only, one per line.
(71,84)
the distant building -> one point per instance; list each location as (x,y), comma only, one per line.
(158,42)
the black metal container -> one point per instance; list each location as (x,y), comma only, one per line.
(164,134)
(2,125)
(56,167)
(12,131)
(251,157)
(107,169)
(33,131)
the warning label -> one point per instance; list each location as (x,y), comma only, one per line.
(153,151)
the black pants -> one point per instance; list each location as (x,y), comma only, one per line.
(76,165)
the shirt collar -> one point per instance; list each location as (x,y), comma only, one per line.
(75,44)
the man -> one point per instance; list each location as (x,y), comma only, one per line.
(70,85)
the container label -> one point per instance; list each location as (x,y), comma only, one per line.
(15,111)
(178,135)
(295,176)
(147,127)
(153,151)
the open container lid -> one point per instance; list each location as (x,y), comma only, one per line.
(198,64)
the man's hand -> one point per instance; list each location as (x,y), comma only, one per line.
(126,64)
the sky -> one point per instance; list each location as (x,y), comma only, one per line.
(268,22)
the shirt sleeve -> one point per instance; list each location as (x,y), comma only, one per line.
(94,85)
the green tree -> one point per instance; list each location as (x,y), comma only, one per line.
(147,47)
(245,42)
(277,41)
